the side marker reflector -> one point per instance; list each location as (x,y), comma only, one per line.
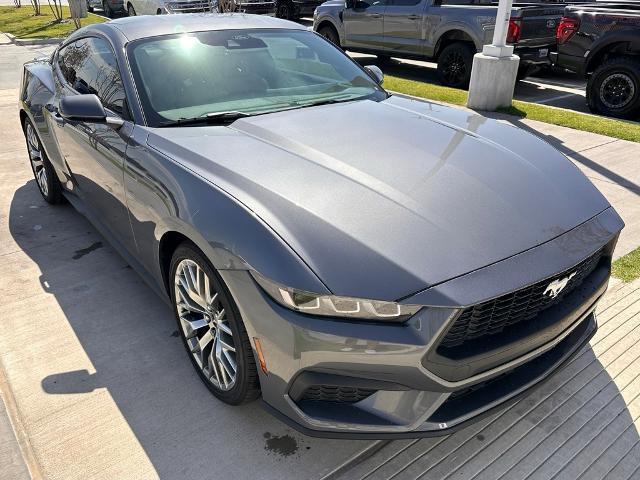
(263,363)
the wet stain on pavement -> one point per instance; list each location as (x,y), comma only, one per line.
(85,251)
(283,446)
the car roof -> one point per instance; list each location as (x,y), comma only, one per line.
(144,26)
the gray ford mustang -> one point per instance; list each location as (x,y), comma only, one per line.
(372,266)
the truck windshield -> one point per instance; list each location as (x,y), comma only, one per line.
(185,76)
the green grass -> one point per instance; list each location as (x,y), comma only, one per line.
(22,22)
(627,268)
(556,116)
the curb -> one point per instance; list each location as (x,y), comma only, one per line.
(21,436)
(32,41)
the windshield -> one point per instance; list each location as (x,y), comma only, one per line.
(186,76)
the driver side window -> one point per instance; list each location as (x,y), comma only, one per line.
(363,4)
(89,66)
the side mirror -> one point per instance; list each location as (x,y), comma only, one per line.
(349,4)
(375,73)
(86,108)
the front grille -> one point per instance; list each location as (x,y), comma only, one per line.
(493,317)
(331,393)
(479,397)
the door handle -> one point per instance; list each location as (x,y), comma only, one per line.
(376,15)
(414,17)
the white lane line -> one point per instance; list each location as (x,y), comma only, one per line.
(559,97)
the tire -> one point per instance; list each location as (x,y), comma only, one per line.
(130,10)
(284,10)
(224,327)
(614,88)
(106,9)
(330,34)
(43,172)
(454,64)
(523,72)
(384,59)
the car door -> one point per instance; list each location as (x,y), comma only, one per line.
(364,25)
(94,153)
(403,25)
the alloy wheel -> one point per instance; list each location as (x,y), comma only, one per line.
(454,68)
(37,162)
(617,90)
(205,325)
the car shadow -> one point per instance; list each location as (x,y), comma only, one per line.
(130,339)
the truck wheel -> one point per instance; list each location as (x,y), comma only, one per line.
(330,34)
(284,10)
(454,64)
(614,88)
(523,72)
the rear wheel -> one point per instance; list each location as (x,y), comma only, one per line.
(454,64)
(130,10)
(614,88)
(211,328)
(43,171)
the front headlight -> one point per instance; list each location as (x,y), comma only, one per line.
(335,306)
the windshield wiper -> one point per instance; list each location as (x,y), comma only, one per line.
(213,118)
(326,102)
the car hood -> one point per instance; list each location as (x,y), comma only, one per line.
(383,199)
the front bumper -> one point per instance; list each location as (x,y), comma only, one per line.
(334,378)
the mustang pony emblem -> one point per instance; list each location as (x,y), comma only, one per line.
(555,287)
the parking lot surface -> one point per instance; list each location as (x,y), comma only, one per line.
(100,385)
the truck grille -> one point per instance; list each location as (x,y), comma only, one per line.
(494,316)
(190,7)
(331,393)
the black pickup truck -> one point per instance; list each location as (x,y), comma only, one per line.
(602,42)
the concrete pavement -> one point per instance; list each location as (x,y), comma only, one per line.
(102,387)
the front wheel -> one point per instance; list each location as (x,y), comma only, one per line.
(43,171)
(211,328)
(614,88)
(330,34)
(454,64)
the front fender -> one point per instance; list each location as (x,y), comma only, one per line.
(168,195)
